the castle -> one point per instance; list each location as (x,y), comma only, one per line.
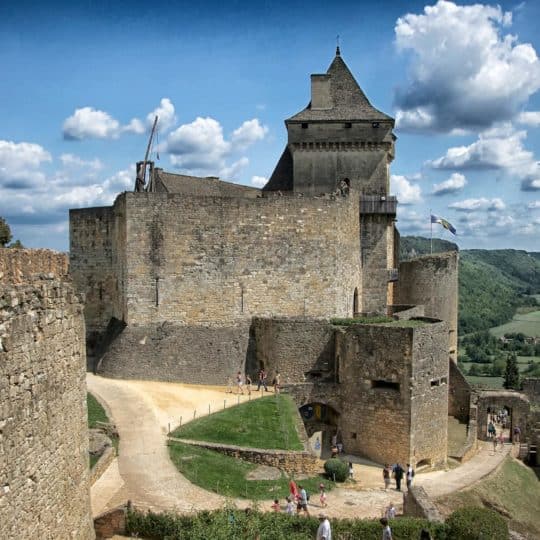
(193,279)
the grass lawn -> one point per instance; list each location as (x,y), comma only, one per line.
(268,422)
(227,476)
(96,413)
(491,382)
(514,492)
(527,323)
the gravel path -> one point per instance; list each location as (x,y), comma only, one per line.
(143,472)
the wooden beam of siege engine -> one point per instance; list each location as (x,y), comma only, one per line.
(140,181)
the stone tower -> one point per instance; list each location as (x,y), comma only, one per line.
(341,142)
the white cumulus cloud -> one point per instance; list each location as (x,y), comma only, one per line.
(465,73)
(258,181)
(201,148)
(455,183)
(473,205)
(249,132)
(529,118)
(406,192)
(533,205)
(166,115)
(19,164)
(86,123)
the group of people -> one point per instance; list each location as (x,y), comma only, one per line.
(397,472)
(298,497)
(246,382)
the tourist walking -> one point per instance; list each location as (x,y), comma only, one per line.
(239,383)
(290,507)
(387,532)
(517,434)
(409,475)
(398,475)
(324,532)
(390,512)
(262,380)
(386,476)
(293,490)
(275,506)
(491,430)
(501,440)
(322,496)
(302,502)
(351,470)
(277,382)
(249,382)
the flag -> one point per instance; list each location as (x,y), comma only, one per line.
(446,224)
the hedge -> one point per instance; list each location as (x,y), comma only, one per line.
(476,524)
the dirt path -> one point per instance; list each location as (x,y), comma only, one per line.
(144,474)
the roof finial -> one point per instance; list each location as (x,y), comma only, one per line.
(338,52)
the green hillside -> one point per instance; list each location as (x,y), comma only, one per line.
(492,283)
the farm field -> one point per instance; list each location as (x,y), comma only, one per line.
(527,323)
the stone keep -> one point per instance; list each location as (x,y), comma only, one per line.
(177,276)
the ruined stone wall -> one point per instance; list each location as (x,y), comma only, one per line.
(213,261)
(44,477)
(459,394)
(95,263)
(432,281)
(19,265)
(429,394)
(172,352)
(299,349)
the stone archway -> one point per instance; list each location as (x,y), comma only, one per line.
(490,403)
(321,422)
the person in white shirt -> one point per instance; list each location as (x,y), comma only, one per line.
(387,532)
(324,532)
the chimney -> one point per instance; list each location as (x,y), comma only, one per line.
(320,92)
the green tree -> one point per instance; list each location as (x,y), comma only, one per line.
(511,373)
(5,233)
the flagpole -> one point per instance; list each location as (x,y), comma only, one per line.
(431,232)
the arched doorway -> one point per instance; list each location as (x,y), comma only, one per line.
(321,422)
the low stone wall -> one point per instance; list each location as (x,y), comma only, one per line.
(470,447)
(19,265)
(292,462)
(110,523)
(103,462)
(405,311)
(416,503)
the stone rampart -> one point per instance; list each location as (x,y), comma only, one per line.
(20,265)
(102,464)
(459,394)
(171,352)
(44,477)
(292,462)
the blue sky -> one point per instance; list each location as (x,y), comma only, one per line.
(81,81)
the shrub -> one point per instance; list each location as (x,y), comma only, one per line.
(336,470)
(476,524)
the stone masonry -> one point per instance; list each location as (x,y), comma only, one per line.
(44,477)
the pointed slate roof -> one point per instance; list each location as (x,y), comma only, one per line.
(349,101)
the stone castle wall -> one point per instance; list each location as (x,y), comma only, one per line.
(95,252)
(44,477)
(432,281)
(459,394)
(300,349)
(171,352)
(19,265)
(217,261)
(429,394)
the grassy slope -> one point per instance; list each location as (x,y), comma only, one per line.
(514,491)
(227,476)
(268,422)
(96,413)
(527,323)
